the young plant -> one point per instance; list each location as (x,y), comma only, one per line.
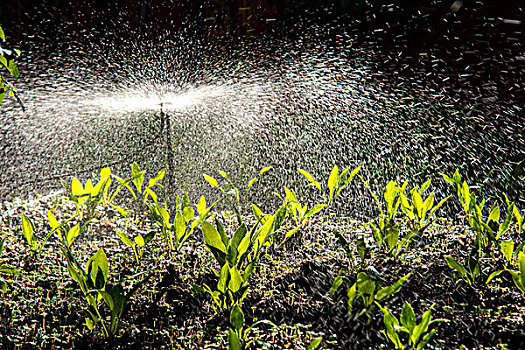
(300,213)
(8,60)
(238,256)
(87,197)
(336,182)
(385,229)
(487,231)
(237,334)
(92,281)
(365,291)
(35,245)
(421,211)
(5,270)
(229,190)
(405,330)
(519,276)
(137,243)
(175,231)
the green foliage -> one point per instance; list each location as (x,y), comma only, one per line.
(8,61)
(407,329)
(421,211)
(301,213)
(177,229)
(519,276)
(488,233)
(366,292)
(336,182)
(231,192)
(92,281)
(237,256)
(385,229)
(35,245)
(5,269)
(137,243)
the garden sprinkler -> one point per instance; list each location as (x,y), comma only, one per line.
(165,120)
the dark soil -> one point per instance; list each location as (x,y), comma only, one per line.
(43,308)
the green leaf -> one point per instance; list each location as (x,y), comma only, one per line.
(456,266)
(72,234)
(28,231)
(201,206)
(391,323)
(314,344)
(506,223)
(521,264)
(156,179)
(139,240)
(125,239)
(224,277)
(213,241)
(237,238)
(3,286)
(99,263)
(421,328)
(337,283)
(76,187)
(235,280)
(310,178)
(138,176)
(314,210)
(408,317)
(212,181)
(494,213)
(233,341)
(493,275)
(2,34)
(188,213)
(390,290)
(332,182)
(237,317)
(107,298)
(426,339)
(507,249)
(180,226)
(53,222)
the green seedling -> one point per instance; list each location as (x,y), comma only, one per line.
(420,212)
(385,229)
(519,276)
(176,230)
(238,256)
(237,334)
(336,182)
(520,223)
(300,213)
(8,60)
(229,190)
(366,292)
(487,231)
(35,245)
(92,281)
(137,243)
(5,270)
(405,330)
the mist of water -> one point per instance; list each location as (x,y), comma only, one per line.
(303,104)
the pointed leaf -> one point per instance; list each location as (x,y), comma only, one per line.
(332,182)
(212,181)
(237,317)
(408,317)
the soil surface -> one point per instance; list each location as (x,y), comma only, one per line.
(43,307)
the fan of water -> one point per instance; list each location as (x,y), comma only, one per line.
(307,105)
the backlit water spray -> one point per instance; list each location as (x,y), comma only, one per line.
(306,104)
